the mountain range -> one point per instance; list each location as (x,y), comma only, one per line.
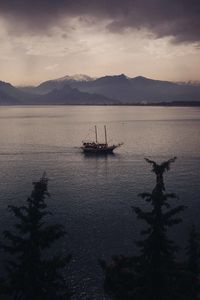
(117,89)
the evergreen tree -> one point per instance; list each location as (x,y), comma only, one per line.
(157,270)
(153,274)
(32,272)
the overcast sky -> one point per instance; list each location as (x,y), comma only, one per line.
(44,39)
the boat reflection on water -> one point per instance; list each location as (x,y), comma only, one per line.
(96,148)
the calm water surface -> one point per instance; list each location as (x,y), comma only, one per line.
(93,196)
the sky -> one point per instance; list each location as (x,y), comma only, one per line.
(45,39)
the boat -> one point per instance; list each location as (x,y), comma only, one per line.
(99,148)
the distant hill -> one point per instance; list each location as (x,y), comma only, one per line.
(68,95)
(124,89)
(9,94)
(47,86)
(63,94)
(118,89)
(140,89)
(5,99)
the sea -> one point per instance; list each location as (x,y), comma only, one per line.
(92,196)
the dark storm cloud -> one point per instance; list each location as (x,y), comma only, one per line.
(177,18)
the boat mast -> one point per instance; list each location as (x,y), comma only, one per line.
(105,134)
(96,133)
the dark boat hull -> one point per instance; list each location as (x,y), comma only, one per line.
(108,150)
(98,148)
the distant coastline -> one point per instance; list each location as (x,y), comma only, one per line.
(160,104)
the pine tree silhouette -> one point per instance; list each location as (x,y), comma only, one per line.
(159,170)
(153,274)
(156,269)
(32,273)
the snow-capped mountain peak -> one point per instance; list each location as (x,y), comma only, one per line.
(77,77)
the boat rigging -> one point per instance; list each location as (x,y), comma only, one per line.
(99,148)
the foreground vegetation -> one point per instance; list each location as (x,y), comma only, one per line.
(34,270)
(155,274)
(32,273)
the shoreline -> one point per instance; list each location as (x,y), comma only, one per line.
(161,104)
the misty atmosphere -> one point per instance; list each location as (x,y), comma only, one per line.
(99,150)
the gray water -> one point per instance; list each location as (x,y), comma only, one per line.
(92,196)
